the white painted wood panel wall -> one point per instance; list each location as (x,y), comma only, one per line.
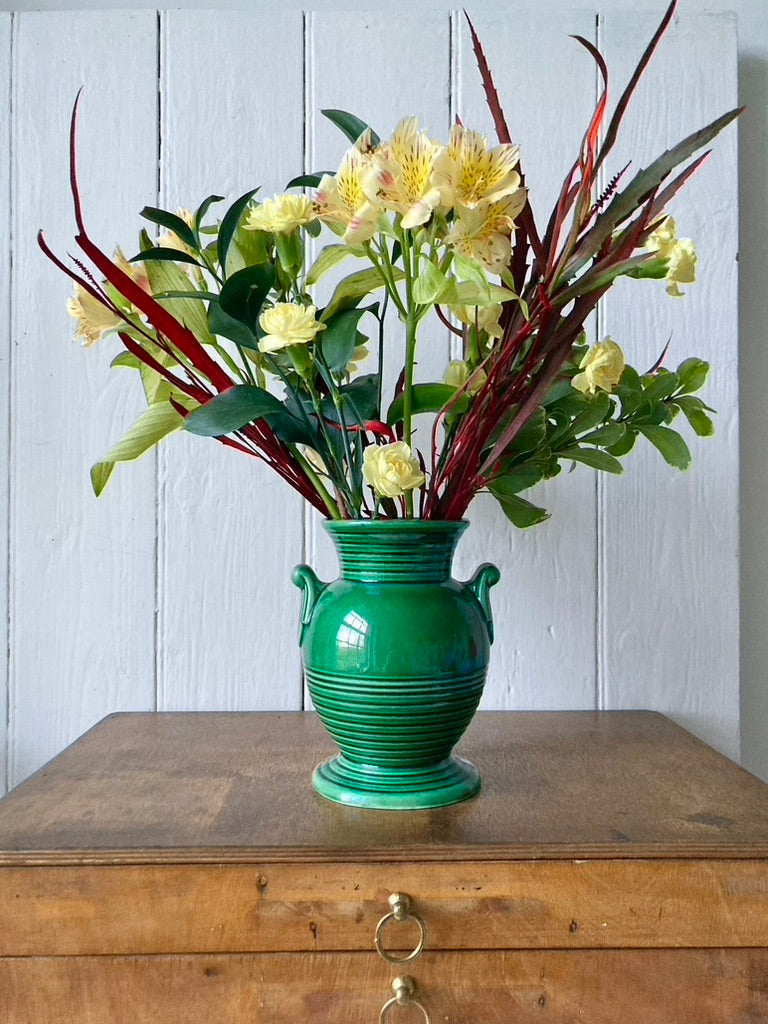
(172,592)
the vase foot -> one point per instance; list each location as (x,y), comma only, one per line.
(362,785)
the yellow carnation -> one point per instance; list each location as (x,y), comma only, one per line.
(281,215)
(679,253)
(287,323)
(392,469)
(601,368)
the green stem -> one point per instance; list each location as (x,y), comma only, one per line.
(317,483)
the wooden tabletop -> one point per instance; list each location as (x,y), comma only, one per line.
(225,787)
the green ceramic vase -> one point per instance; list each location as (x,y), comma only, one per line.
(395,656)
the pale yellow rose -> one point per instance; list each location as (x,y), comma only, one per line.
(601,368)
(287,323)
(392,469)
(281,215)
(94,319)
(679,253)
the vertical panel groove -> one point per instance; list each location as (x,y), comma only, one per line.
(155,454)
(599,508)
(161,506)
(307,166)
(9,423)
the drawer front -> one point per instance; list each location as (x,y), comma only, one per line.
(600,987)
(138,910)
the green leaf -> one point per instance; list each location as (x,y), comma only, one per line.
(204,207)
(167,277)
(163,254)
(126,359)
(101,473)
(671,445)
(225,326)
(529,439)
(599,408)
(351,289)
(630,379)
(625,445)
(231,410)
(593,457)
(467,293)
(338,341)
(661,385)
(424,398)
(470,270)
(626,202)
(328,257)
(693,410)
(244,293)
(520,477)
(352,126)
(430,286)
(692,374)
(520,512)
(150,428)
(609,434)
(308,180)
(363,394)
(173,223)
(230,222)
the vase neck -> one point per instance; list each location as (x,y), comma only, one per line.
(395,551)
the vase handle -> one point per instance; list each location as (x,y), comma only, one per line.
(486,576)
(307,580)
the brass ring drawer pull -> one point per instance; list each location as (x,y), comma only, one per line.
(400,903)
(403,989)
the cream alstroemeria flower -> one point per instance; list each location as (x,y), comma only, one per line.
(399,176)
(601,368)
(136,271)
(359,354)
(457,374)
(287,323)
(340,200)
(171,240)
(485,318)
(94,319)
(392,469)
(467,172)
(679,253)
(484,232)
(281,215)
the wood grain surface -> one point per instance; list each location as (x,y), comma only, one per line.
(629,987)
(71,911)
(219,786)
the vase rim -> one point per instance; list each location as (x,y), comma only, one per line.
(406,525)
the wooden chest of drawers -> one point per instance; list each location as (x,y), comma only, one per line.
(178,869)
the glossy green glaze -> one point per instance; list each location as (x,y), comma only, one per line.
(395,655)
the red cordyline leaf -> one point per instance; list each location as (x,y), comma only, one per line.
(179,335)
(612,130)
(502,131)
(265,444)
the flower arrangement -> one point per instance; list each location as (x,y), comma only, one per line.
(222,321)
